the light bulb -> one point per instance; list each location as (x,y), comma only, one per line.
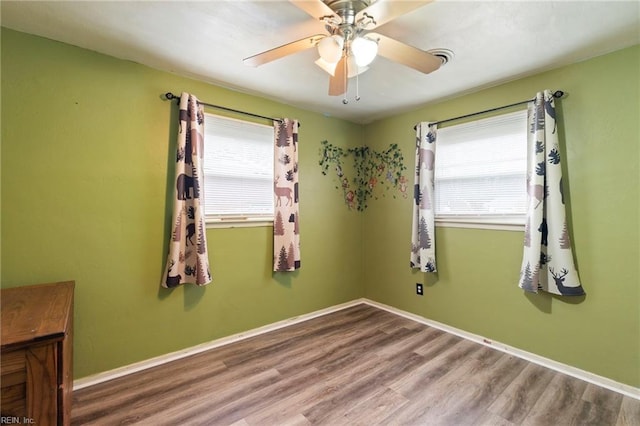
(330,48)
(353,68)
(365,50)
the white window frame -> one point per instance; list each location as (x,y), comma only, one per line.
(239,220)
(510,222)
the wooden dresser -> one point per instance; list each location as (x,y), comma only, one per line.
(37,353)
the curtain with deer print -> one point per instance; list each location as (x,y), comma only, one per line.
(188,260)
(423,241)
(286,231)
(547,263)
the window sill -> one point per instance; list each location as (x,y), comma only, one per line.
(501,223)
(238,222)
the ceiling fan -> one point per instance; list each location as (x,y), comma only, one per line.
(350,46)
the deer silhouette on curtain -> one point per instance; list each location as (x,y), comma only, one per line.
(547,262)
(286,222)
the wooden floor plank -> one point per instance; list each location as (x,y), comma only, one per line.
(362,388)
(315,393)
(598,406)
(490,419)
(434,399)
(290,409)
(247,401)
(484,387)
(417,340)
(488,355)
(559,403)
(428,374)
(369,411)
(438,345)
(629,412)
(519,397)
(358,366)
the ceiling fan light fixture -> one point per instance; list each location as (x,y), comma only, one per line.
(330,48)
(353,68)
(329,67)
(364,50)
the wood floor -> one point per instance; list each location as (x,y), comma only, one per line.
(358,366)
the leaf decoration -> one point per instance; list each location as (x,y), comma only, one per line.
(371,169)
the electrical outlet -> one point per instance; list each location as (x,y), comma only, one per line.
(419,289)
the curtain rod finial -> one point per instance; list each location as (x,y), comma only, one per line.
(170,96)
(558,94)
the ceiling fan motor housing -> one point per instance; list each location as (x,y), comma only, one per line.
(347,11)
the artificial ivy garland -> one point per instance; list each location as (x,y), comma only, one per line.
(372,169)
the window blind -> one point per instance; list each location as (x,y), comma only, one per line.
(480,169)
(238,168)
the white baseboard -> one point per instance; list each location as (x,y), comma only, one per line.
(162,359)
(604,382)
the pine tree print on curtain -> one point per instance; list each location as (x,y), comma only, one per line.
(423,243)
(286,233)
(188,261)
(547,262)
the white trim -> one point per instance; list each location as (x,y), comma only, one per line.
(238,222)
(504,222)
(162,359)
(477,225)
(604,382)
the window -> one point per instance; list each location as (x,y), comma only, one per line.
(480,173)
(238,171)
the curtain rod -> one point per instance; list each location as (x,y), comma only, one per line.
(557,94)
(171,96)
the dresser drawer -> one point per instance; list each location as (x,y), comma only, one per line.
(14,383)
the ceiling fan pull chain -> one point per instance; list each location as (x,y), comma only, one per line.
(357,87)
(345,100)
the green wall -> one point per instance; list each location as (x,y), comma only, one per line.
(475,288)
(86,145)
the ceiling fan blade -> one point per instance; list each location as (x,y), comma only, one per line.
(384,11)
(284,50)
(406,55)
(338,81)
(315,8)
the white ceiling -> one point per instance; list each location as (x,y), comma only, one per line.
(493,42)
